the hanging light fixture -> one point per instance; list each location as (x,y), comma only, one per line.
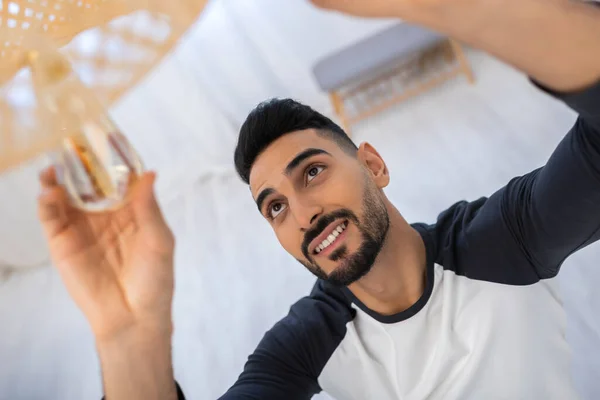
(63,62)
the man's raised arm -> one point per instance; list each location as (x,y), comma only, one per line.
(555,42)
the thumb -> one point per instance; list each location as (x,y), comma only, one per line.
(144,203)
(53,206)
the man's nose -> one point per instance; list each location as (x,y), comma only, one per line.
(306,214)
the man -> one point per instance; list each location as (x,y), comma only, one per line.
(461,309)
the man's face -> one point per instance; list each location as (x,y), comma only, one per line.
(325,205)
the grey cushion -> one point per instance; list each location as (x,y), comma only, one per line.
(374,53)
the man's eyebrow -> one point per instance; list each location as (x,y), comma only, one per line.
(303,155)
(262,196)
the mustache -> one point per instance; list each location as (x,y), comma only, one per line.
(323,223)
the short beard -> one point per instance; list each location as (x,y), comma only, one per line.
(373,230)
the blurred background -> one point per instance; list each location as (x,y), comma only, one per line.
(455,141)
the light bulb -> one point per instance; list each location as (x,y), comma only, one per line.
(95,162)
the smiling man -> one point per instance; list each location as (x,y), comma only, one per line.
(343,219)
(464,308)
(323,197)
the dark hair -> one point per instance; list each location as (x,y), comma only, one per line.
(274,118)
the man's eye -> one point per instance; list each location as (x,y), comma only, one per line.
(275,209)
(313,171)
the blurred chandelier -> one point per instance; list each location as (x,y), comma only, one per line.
(62,62)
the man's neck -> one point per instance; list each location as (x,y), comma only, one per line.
(397,279)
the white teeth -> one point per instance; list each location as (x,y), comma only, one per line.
(331,238)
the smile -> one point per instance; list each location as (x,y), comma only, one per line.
(331,238)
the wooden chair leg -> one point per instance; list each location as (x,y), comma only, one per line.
(338,107)
(462,61)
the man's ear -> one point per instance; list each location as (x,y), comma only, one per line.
(374,164)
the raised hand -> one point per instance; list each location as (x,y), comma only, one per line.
(503,29)
(118,265)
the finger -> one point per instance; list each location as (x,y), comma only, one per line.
(48,177)
(147,210)
(144,201)
(53,205)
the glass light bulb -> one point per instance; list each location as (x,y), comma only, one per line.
(96,163)
(97,167)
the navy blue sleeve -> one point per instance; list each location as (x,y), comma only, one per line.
(290,357)
(526,230)
(555,210)
(180,395)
